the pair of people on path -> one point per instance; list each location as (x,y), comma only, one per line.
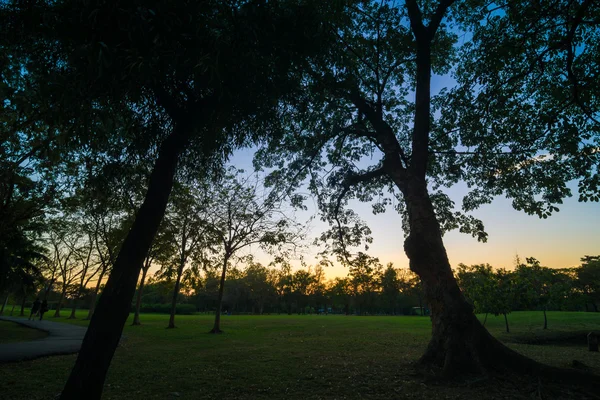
(38,308)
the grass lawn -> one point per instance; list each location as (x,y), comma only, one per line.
(11,332)
(302,357)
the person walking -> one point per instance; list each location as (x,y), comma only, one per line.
(43,309)
(35,308)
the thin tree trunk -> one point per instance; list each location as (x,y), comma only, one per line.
(4,304)
(12,309)
(506,323)
(59,305)
(22,313)
(73,308)
(95,295)
(485,319)
(138,301)
(217,326)
(174,299)
(79,291)
(104,332)
(595,307)
(545,319)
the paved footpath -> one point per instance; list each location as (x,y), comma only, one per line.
(61,339)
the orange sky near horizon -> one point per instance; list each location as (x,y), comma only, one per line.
(557,242)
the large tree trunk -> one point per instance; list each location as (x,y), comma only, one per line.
(60,300)
(104,332)
(138,301)
(95,295)
(175,294)
(217,326)
(459,342)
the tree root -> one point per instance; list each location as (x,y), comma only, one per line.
(477,352)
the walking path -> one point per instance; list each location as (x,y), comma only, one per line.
(61,339)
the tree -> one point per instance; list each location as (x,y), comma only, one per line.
(502,298)
(541,287)
(240,216)
(588,280)
(160,251)
(259,286)
(478,284)
(85,256)
(390,288)
(63,242)
(516,140)
(365,274)
(194,80)
(186,234)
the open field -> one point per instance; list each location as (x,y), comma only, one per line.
(307,357)
(11,332)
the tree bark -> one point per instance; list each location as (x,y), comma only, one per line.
(217,326)
(485,319)
(138,301)
(506,323)
(95,295)
(174,299)
(545,320)
(104,332)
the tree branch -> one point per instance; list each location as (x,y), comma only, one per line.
(437,17)
(416,20)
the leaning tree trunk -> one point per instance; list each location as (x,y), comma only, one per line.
(95,295)
(217,327)
(506,323)
(104,332)
(459,342)
(138,300)
(174,299)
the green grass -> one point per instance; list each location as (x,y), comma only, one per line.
(291,357)
(11,332)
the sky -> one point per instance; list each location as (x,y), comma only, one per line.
(558,242)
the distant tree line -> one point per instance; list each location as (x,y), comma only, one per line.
(369,289)
(531,286)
